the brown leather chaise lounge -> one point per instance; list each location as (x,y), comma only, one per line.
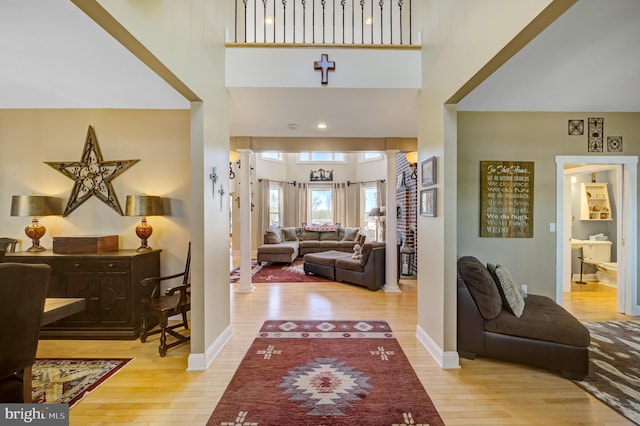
(545,335)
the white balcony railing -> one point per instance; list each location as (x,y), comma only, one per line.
(340,22)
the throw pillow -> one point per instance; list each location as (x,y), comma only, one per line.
(350,234)
(511,293)
(273,237)
(483,289)
(289,234)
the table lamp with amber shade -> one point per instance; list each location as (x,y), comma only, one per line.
(34,206)
(144,205)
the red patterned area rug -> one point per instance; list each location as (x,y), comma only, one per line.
(277,273)
(325,373)
(67,381)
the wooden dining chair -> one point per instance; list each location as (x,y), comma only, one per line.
(8,244)
(160,306)
(23,290)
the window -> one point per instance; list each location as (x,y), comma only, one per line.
(370,200)
(275,205)
(322,157)
(274,156)
(370,156)
(321,205)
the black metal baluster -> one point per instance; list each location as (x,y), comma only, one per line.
(235,14)
(294,21)
(342,2)
(284,21)
(304,21)
(381,3)
(410,16)
(400,2)
(323,2)
(264,21)
(313,22)
(245,19)
(391,21)
(274,20)
(362,20)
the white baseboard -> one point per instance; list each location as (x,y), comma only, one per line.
(201,361)
(446,360)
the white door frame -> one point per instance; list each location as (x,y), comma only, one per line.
(627,212)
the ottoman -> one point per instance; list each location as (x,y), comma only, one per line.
(323,263)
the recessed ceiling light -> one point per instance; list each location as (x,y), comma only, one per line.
(292,126)
(321,126)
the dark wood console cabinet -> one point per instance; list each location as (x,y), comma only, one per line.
(110,284)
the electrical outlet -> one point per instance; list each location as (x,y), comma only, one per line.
(524,288)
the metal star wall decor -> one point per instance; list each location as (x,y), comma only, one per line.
(92,175)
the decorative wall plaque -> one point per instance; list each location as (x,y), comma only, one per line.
(92,175)
(576,127)
(614,143)
(596,135)
(506,199)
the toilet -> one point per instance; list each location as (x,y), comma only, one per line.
(598,254)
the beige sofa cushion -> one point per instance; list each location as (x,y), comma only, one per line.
(289,234)
(273,237)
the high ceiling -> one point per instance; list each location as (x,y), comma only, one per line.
(54,56)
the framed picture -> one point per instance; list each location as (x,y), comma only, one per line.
(429,171)
(400,181)
(428,202)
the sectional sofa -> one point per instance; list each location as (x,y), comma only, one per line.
(287,243)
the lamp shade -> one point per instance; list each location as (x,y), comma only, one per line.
(376,211)
(412,157)
(144,205)
(233,156)
(35,205)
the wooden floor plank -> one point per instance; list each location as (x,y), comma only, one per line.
(156,391)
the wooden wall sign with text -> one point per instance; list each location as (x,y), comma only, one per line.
(506,199)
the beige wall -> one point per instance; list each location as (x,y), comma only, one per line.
(158,138)
(184,43)
(459,39)
(519,136)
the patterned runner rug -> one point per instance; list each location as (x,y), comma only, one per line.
(614,373)
(67,381)
(277,273)
(325,373)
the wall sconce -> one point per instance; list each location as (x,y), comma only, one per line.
(412,158)
(234,157)
(35,205)
(144,205)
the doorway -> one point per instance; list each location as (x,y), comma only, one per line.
(626,244)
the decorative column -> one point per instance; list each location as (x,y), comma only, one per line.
(245,285)
(391,263)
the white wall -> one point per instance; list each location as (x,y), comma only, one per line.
(459,39)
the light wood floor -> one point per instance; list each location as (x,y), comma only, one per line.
(156,391)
